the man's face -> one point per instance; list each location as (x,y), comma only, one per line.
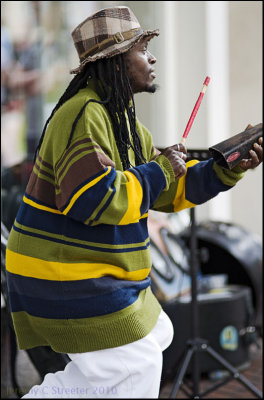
(140,68)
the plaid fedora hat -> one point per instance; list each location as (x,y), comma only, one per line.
(106,33)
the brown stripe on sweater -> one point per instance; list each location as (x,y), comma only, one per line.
(79,172)
(88,140)
(44,172)
(47,165)
(41,190)
(74,155)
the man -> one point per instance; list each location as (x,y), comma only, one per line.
(78,256)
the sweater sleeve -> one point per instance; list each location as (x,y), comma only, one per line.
(91,190)
(203,181)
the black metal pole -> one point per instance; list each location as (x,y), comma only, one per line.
(194,265)
(194,302)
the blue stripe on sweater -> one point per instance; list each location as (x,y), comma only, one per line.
(81,307)
(85,205)
(83,184)
(152,184)
(62,225)
(202,183)
(53,290)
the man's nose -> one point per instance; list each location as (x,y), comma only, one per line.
(151,58)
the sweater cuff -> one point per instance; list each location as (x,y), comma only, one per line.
(229,177)
(167,169)
(238,169)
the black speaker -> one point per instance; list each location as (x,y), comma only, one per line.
(224,321)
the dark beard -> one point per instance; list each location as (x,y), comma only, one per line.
(153,88)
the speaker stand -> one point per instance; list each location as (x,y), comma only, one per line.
(196,345)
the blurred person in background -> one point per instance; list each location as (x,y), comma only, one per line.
(10,118)
(21,94)
(28,72)
(78,257)
(7,59)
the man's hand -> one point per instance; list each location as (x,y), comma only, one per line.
(177,155)
(256,155)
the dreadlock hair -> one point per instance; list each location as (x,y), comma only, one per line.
(113,88)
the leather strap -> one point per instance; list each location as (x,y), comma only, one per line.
(114,39)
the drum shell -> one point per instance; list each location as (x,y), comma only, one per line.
(233,251)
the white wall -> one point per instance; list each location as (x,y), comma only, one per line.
(218,110)
(246,55)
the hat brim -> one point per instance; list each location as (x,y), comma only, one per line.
(115,49)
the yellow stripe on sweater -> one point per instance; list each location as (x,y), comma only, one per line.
(83,189)
(134,199)
(180,202)
(40,207)
(56,271)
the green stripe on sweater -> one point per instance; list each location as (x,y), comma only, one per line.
(48,250)
(84,242)
(89,334)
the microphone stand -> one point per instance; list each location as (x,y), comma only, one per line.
(196,345)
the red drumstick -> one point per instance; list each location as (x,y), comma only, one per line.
(196,108)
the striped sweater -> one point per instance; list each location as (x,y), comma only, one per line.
(78,258)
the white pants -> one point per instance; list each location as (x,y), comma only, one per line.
(129,371)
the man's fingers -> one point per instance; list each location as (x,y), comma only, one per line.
(180,147)
(182,155)
(179,169)
(248,127)
(254,158)
(259,149)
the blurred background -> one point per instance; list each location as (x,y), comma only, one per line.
(222,39)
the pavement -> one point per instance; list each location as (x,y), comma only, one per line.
(234,389)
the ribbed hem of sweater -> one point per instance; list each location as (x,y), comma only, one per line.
(89,334)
